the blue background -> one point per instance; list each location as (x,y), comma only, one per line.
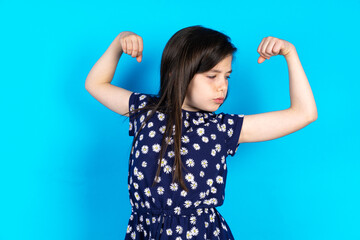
(64,155)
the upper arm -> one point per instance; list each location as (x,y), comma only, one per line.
(272,125)
(111,96)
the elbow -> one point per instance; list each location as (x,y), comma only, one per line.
(315,117)
(87,86)
(312,117)
(308,116)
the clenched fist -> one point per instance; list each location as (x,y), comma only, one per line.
(131,44)
(272,46)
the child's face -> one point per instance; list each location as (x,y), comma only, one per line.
(205,87)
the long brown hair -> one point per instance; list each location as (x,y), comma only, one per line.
(189,51)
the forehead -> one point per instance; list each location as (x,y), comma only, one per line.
(223,66)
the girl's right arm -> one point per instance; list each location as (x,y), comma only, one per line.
(98,81)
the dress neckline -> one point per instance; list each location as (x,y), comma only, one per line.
(195,112)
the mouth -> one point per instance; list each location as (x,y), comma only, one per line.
(219,100)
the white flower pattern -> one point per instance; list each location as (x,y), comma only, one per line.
(190,162)
(210,136)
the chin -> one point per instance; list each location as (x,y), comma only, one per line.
(214,109)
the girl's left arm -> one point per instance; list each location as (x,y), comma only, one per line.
(302,110)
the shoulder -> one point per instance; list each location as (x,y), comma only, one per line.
(140,100)
(227,118)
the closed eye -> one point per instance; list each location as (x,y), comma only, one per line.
(212,77)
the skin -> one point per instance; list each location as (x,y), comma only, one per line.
(132,44)
(207,86)
(256,127)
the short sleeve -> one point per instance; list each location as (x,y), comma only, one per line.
(136,100)
(232,124)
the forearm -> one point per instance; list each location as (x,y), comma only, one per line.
(301,96)
(104,69)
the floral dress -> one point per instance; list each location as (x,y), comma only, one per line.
(166,211)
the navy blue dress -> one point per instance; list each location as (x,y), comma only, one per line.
(166,211)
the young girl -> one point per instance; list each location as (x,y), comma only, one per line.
(177,165)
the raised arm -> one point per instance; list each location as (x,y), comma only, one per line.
(302,111)
(98,81)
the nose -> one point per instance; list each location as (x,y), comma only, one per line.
(222,85)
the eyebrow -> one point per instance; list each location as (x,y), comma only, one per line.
(217,71)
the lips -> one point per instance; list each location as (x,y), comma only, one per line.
(219,100)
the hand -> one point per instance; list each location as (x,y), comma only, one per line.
(272,46)
(131,44)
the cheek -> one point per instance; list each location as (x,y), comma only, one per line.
(203,89)
(204,84)
(197,94)
(199,89)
